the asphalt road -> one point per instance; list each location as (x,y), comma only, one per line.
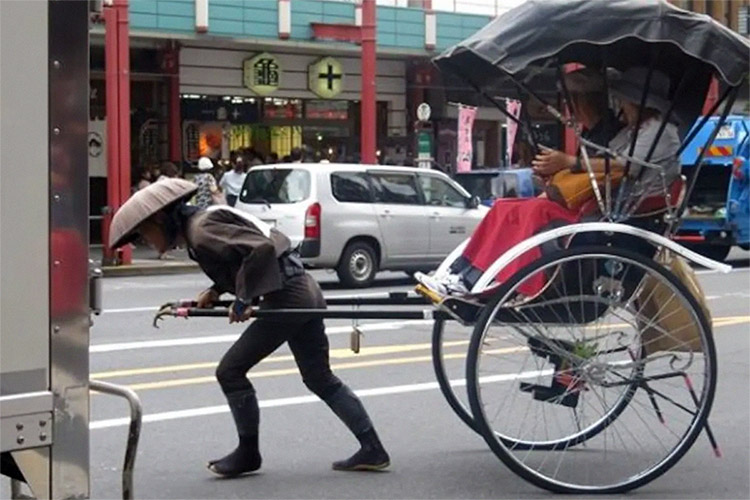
(434,455)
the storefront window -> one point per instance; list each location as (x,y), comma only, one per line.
(327,110)
(240,136)
(289,109)
(284,139)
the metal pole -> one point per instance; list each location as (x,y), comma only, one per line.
(368,131)
(134,432)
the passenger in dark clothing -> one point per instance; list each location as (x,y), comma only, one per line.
(247,258)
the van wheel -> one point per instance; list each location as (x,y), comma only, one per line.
(358,265)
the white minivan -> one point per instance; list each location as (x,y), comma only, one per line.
(360,219)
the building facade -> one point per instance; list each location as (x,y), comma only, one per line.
(211,76)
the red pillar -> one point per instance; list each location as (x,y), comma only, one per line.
(173,68)
(117,70)
(369,108)
(712,96)
(113,175)
(123,102)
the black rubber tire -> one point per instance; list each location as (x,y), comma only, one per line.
(489,434)
(346,270)
(713,252)
(442,377)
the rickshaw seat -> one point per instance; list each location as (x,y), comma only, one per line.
(648,206)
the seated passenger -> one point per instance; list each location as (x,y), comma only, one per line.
(513,221)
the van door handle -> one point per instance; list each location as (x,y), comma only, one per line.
(386,213)
(435,215)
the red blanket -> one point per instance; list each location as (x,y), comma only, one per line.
(509,222)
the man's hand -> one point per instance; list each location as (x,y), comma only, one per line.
(240,312)
(207,298)
(549,162)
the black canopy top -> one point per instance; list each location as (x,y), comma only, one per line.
(613,33)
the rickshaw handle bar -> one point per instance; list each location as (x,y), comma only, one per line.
(298,314)
(392,299)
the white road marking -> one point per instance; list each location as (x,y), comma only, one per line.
(221,339)
(129,310)
(713,271)
(299,400)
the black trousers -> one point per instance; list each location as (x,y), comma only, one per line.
(231,199)
(309,345)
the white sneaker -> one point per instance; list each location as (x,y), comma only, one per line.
(455,285)
(431,282)
(450,284)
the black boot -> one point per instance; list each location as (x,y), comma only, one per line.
(246,457)
(370,457)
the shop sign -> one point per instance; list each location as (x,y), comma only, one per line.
(262,73)
(423,112)
(212,109)
(325,77)
(424,149)
(466,115)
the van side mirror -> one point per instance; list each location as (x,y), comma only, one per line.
(473,202)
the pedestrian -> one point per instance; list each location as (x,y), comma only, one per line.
(232,180)
(208,191)
(247,258)
(272,158)
(168,171)
(145,178)
(296,155)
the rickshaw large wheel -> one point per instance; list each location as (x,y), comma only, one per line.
(441,374)
(602,384)
(463,410)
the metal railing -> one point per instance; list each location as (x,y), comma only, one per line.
(134,431)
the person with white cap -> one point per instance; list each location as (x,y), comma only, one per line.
(208,191)
(247,258)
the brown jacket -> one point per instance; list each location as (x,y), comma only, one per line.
(236,254)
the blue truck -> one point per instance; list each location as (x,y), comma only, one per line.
(717,216)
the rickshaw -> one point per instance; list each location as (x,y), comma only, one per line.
(602,380)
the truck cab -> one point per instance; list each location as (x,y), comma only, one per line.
(717,215)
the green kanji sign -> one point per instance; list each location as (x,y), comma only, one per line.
(325,77)
(262,73)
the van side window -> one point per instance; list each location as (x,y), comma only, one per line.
(439,193)
(351,187)
(395,188)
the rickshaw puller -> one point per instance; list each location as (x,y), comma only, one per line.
(246,257)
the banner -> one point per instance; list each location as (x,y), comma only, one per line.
(511,128)
(466,115)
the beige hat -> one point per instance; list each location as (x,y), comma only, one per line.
(205,164)
(584,81)
(145,203)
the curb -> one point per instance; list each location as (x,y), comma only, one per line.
(154,270)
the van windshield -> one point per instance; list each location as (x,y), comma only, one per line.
(282,185)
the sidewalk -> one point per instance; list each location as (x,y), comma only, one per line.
(146,263)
